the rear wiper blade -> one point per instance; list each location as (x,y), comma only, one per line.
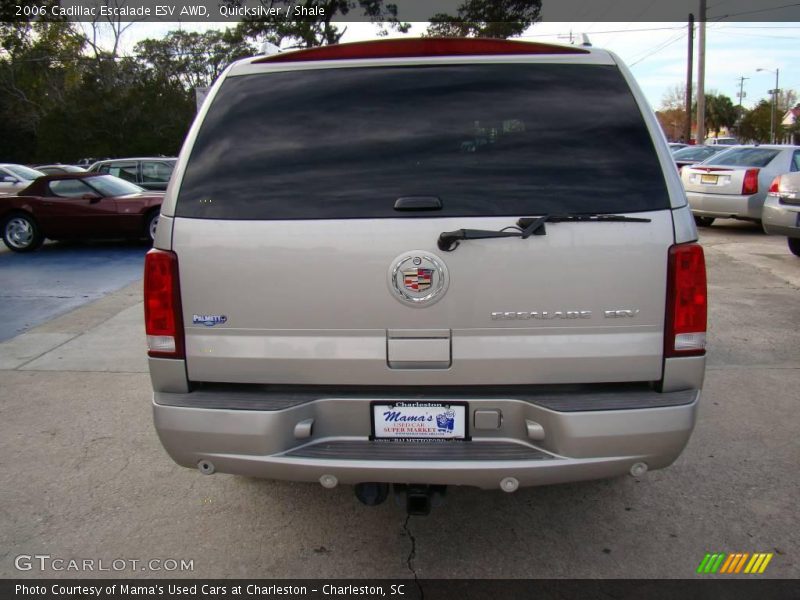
(526,227)
(449,240)
(523,222)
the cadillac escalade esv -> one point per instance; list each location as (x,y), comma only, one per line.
(426,262)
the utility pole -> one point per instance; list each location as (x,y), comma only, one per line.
(776,91)
(701,76)
(773,130)
(687,133)
(739,110)
(741,90)
(570,37)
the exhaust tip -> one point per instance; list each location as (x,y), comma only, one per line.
(206,467)
(509,484)
(372,494)
(328,481)
(639,469)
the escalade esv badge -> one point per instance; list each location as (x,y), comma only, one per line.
(418,278)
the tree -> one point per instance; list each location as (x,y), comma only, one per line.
(786,99)
(673,122)
(487,18)
(755,124)
(193,59)
(675,98)
(40,62)
(720,112)
(315,30)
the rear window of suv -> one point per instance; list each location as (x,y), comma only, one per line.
(488,140)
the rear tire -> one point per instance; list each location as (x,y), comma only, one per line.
(703,221)
(794,245)
(21,233)
(151,222)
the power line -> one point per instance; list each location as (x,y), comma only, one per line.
(659,49)
(726,26)
(760,36)
(753,12)
(608,31)
(636,18)
(717,4)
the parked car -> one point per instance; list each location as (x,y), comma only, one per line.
(733,184)
(691,155)
(59,168)
(14,178)
(782,209)
(385,292)
(675,146)
(149,173)
(77,206)
(721,141)
(86,162)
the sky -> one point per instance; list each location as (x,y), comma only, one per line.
(655,52)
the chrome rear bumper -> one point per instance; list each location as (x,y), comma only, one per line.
(780,218)
(724,206)
(577,444)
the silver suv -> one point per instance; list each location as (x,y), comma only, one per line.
(426,262)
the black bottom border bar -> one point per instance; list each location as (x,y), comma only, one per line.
(732,588)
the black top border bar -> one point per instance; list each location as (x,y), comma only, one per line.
(404,11)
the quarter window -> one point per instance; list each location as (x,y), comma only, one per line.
(126,171)
(156,172)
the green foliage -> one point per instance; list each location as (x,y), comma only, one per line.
(62,97)
(57,103)
(193,59)
(720,112)
(487,18)
(316,30)
(755,124)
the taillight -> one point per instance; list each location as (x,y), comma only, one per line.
(162,305)
(750,183)
(774,187)
(687,301)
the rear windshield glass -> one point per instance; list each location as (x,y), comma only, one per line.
(108,185)
(744,157)
(489,140)
(696,153)
(24,172)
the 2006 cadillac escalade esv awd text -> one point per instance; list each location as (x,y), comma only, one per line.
(426,262)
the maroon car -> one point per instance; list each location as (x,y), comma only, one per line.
(78,206)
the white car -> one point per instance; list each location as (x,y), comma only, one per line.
(14,178)
(733,184)
(782,209)
(721,141)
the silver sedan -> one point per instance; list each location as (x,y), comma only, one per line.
(733,184)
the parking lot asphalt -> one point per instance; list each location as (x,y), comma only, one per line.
(84,475)
(60,277)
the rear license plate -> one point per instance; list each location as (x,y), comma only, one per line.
(709,179)
(419,421)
